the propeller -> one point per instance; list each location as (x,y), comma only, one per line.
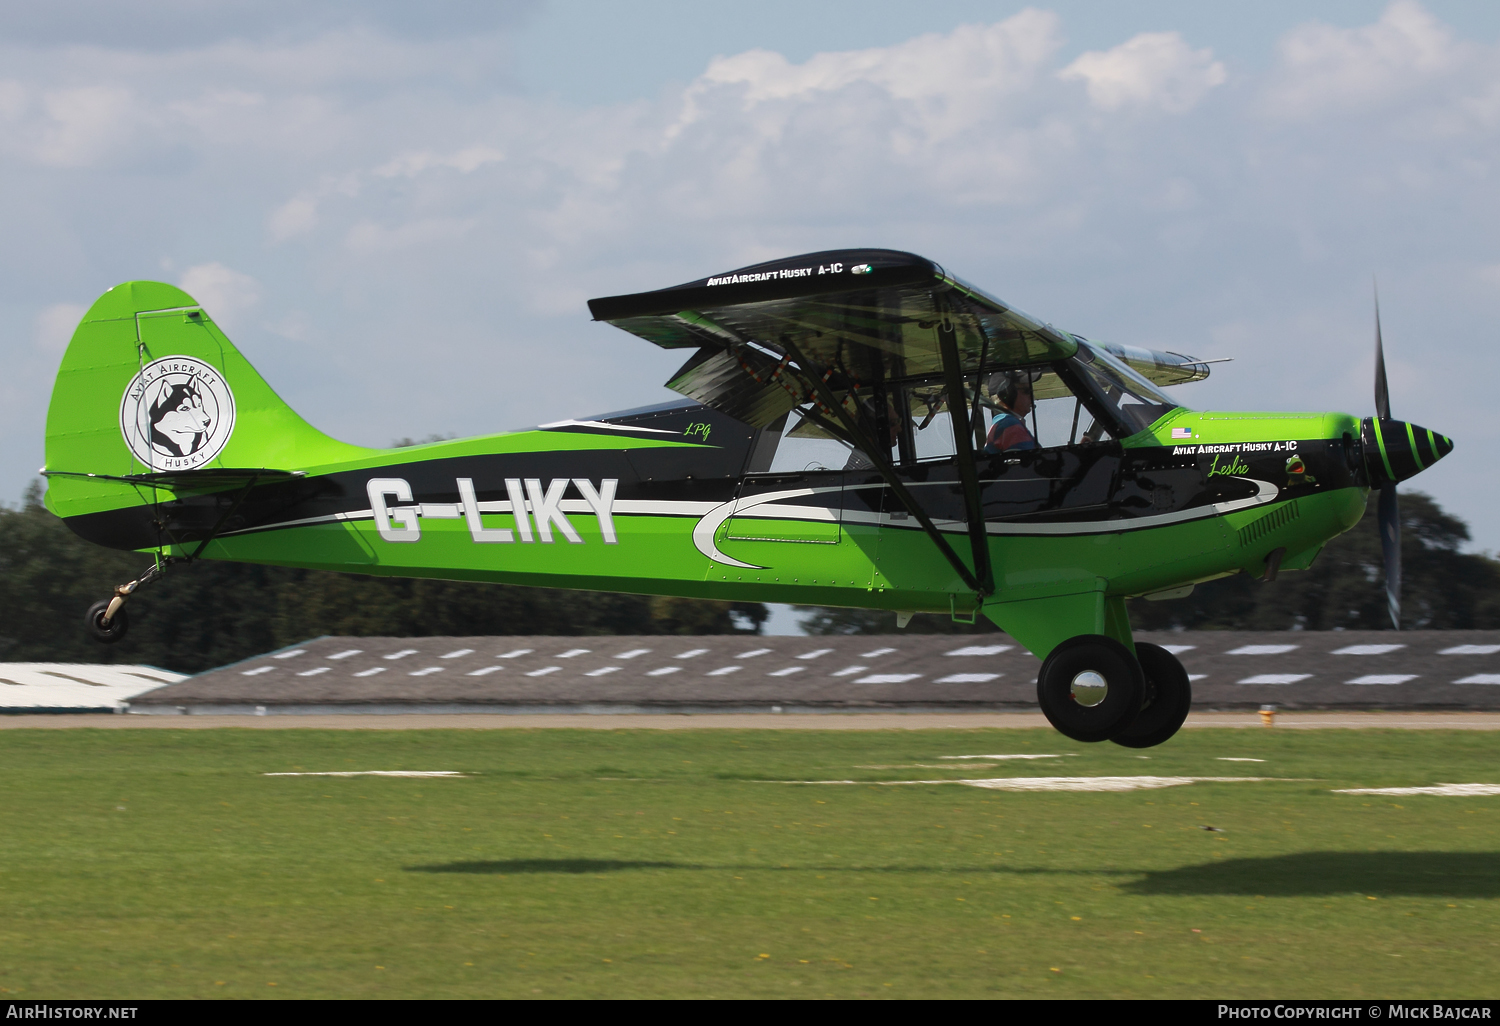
(1388,509)
(1392,451)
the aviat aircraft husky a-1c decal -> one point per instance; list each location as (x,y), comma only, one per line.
(860,428)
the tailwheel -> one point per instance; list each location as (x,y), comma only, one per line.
(1090,688)
(1169,696)
(104,626)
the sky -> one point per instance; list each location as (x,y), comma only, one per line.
(398,211)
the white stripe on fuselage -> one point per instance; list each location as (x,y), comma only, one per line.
(712,515)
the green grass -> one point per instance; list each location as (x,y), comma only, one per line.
(162,863)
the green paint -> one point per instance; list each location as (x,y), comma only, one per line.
(1411,439)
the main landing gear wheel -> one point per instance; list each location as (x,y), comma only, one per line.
(106,631)
(1090,688)
(1169,696)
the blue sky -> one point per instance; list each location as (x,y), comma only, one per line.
(400,210)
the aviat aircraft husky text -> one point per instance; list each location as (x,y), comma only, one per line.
(860,429)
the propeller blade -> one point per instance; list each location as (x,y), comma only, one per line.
(1390,548)
(1382,393)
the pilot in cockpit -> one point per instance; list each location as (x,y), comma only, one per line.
(1012,391)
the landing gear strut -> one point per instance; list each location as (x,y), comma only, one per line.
(1090,688)
(107,621)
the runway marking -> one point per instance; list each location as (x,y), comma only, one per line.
(288,655)
(1176,649)
(1070,755)
(888,678)
(482,672)
(1274,678)
(1443,789)
(1480,678)
(1261,649)
(979,650)
(450,655)
(370,673)
(313,672)
(373,773)
(544,671)
(1383,678)
(968,678)
(1366,649)
(876,652)
(1471,650)
(633,653)
(815,653)
(401,654)
(346,653)
(1056,783)
(257,671)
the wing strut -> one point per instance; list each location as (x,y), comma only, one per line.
(880,456)
(963,444)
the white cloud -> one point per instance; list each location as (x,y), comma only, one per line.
(296,216)
(1324,67)
(55,324)
(84,124)
(223,292)
(1153,69)
(414,162)
(370,239)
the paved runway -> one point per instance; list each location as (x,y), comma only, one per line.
(739,721)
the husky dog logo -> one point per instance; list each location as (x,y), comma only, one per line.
(177,414)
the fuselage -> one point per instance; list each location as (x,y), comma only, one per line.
(683,500)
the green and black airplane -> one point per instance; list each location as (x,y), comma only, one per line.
(860,428)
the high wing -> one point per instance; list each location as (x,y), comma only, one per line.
(862,342)
(862,320)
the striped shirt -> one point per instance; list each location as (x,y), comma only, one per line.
(1008,432)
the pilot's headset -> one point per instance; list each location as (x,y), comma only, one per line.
(1006,385)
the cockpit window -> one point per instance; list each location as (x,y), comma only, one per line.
(1135,401)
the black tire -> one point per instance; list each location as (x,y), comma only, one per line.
(1123,681)
(105,633)
(1169,696)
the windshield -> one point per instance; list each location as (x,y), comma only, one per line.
(1131,398)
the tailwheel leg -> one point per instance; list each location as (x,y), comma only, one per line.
(107,621)
(1090,688)
(1169,696)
